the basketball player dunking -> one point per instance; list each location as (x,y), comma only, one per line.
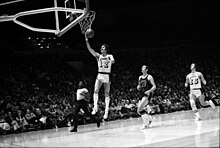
(105,62)
(194,80)
(146,86)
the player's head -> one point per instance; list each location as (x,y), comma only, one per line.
(80,84)
(104,48)
(144,69)
(193,66)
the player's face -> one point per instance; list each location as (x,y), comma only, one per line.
(193,66)
(103,49)
(144,69)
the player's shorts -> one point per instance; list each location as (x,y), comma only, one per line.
(144,95)
(196,92)
(105,78)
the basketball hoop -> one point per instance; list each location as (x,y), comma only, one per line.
(86,23)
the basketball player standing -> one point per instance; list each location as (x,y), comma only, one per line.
(194,80)
(146,87)
(105,62)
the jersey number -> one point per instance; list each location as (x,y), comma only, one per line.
(194,81)
(143,83)
(104,64)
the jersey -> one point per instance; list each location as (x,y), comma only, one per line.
(105,63)
(80,93)
(145,84)
(195,83)
(194,80)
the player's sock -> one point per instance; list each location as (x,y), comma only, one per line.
(150,118)
(211,104)
(145,118)
(197,115)
(149,110)
(144,126)
(107,101)
(95,99)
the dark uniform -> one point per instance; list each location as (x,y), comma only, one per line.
(144,86)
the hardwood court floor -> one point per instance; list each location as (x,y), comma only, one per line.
(176,129)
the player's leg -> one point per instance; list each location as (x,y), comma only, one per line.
(142,104)
(192,99)
(149,110)
(147,119)
(205,102)
(86,110)
(98,84)
(107,99)
(75,117)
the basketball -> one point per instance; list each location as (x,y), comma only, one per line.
(89,33)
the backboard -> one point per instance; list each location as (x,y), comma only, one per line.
(49,16)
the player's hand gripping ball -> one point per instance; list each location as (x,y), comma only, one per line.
(89,33)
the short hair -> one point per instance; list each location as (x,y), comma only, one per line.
(147,67)
(106,47)
(194,64)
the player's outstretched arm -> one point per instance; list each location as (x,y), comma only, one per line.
(95,54)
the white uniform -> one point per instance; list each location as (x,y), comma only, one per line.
(195,83)
(104,67)
(80,93)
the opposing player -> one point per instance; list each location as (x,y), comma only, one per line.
(146,87)
(195,80)
(105,62)
(81,103)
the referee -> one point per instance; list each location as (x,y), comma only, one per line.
(81,103)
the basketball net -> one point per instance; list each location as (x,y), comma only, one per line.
(86,23)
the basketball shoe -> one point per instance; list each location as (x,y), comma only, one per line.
(94,111)
(146,126)
(198,119)
(105,115)
(98,122)
(73,130)
(211,104)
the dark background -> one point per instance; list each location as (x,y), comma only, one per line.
(128,24)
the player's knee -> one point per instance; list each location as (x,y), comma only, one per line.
(96,91)
(191,97)
(203,103)
(193,106)
(141,112)
(107,98)
(106,94)
(140,108)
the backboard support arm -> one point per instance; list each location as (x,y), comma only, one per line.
(84,12)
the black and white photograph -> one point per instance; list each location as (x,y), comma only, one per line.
(109,73)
